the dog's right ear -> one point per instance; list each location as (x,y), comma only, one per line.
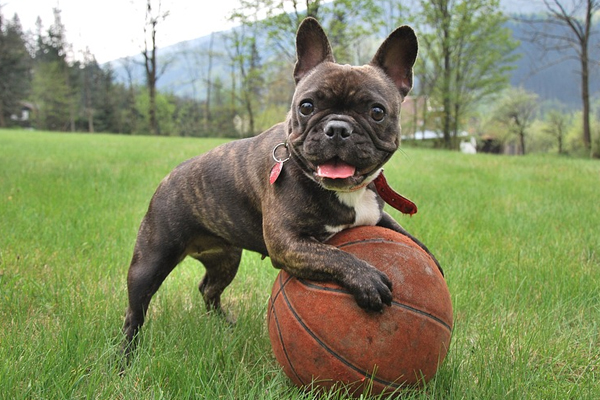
(312,47)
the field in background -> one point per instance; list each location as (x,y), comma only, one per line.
(518,238)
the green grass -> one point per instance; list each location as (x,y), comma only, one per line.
(518,237)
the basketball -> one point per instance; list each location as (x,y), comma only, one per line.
(321,337)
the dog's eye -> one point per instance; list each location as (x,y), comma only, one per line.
(377,113)
(306,108)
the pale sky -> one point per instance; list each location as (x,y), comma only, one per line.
(114,28)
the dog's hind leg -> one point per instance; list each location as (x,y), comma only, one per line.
(149,267)
(221,267)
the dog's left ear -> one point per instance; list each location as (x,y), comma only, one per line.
(397,55)
(312,47)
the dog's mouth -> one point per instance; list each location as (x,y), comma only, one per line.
(335,169)
(338,175)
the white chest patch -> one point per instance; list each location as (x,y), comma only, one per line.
(364,203)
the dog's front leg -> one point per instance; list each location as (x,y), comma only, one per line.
(305,257)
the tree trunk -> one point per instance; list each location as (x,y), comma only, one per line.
(88,100)
(207,116)
(151,71)
(152,109)
(90,120)
(415,123)
(560,143)
(250,114)
(447,103)
(151,64)
(455,140)
(70,99)
(2,120)
(424,126)
(585,98)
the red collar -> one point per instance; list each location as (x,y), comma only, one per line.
(394,199)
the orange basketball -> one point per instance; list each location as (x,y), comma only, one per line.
(321,337)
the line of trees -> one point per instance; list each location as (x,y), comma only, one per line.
(466,51)
(14,68)
(37,73)
(65,91)
(466,57)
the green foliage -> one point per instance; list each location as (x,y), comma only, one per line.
(540,140)
(574,144)
(517,237)
(245,57)
(348,23)
(244,84)
(52,96)
(76,95)
(466,55)
(516,111)
(556,127)
(165,110)
(15,65)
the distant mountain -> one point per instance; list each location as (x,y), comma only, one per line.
(513,7)
(553,75)
(535,71)
(187,66)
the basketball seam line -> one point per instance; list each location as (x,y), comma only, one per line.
(330,351)
(280,291)
(374,240)
(406,307)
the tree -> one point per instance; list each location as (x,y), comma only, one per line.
(108,100)
(516,111)
(568,27)
(263,45)
(53,87)
(165,111)
(129,113)
(209,82)
(199,63)
(100,100)
(282,19)
(15,65)
(154,15)
(556,126)
(90,71)
(243,51)
(52,97)
(347,22)
(467,53)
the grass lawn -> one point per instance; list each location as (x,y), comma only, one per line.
(518,237)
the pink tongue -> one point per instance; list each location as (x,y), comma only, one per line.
(335,169)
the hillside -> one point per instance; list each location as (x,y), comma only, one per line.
(543,73)
(554,75)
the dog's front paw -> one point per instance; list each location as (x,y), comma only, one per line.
(371,289)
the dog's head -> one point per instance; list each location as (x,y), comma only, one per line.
(344,121)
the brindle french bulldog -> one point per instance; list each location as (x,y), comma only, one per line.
(285,192)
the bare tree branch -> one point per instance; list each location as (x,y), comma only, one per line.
(576,19)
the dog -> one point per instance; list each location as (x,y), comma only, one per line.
(286,191)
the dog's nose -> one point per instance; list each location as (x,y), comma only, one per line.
(338,129)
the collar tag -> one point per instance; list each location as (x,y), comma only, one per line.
(276,169)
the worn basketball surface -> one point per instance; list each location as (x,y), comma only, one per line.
(321,337)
